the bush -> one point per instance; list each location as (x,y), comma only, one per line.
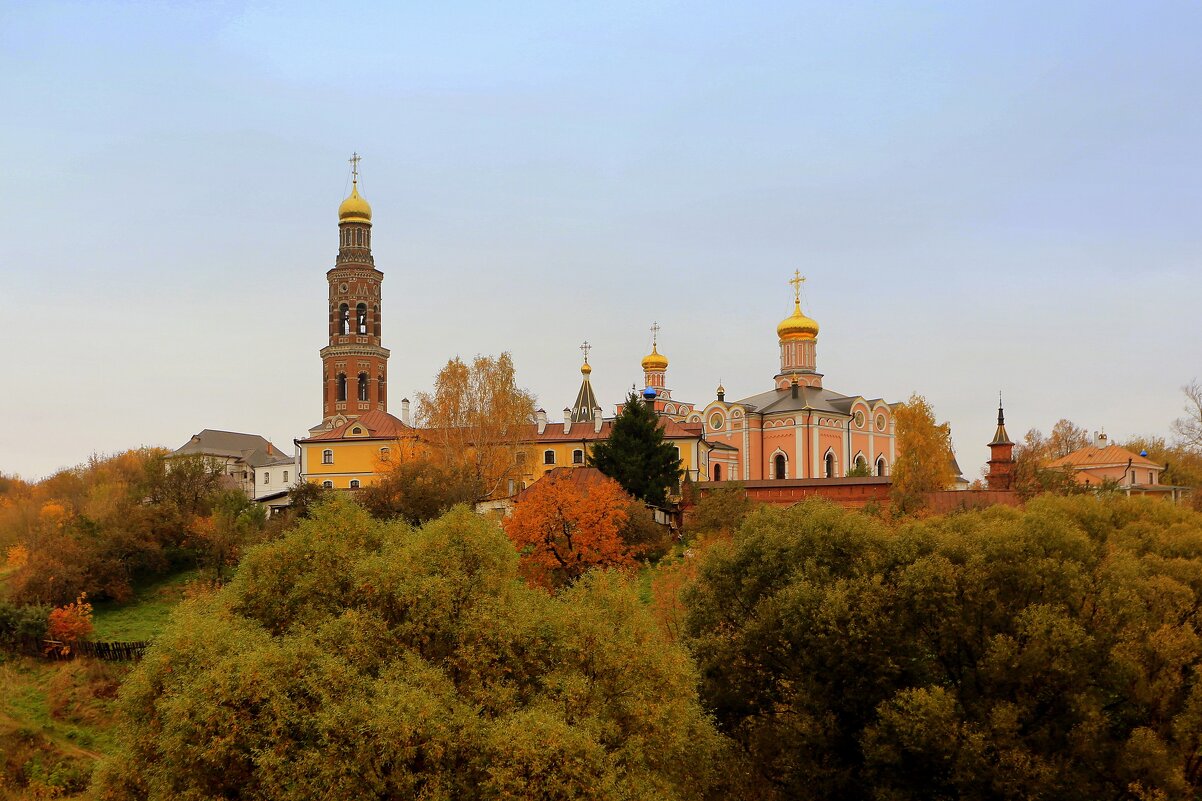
(21,623)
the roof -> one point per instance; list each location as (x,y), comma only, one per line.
(583,477)
(816,398)
(586,402)
(585,431)
(377,424)
(253,449)
(1092,456)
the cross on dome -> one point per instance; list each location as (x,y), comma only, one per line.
(354,161)
(654,333)
(585,348)
(797,280)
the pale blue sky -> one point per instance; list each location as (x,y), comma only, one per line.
(984,196)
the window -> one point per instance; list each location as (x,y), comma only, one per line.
(327,485)
(577,456)
(362,386)
(548,457)
(327,457)
(385,454)
(354,483)
(267,478)
(781,466)
(1151,477)
(379,385)
(361,318)
(344,319)
(861,464)
(880,466)
(830,465)
(342,386)
(512,487)
(285,476)
(375,316)
(520,458)
(717,472)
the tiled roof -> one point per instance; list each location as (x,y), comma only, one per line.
(1109,456)
(782,400)
(378,424)
(250,448)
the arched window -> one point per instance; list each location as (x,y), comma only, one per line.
(830,465)
(285,476)
(385,454)
(861,464)
(375,316)
(577,456)
(327,485)
(362,386)
(342,386)
(267,478)
(880,466)
(781,466)
(717,472)
(354,483)
(327,457)
(548,457)
(380,389)
(344,319)
(361,318)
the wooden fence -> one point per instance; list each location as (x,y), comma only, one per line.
(108,651)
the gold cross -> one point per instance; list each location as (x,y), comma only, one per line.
(654,334)
(797,281)
(585,348)
(354,160)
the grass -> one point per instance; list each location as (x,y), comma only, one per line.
(143,617)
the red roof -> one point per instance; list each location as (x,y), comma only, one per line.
(584,477)
(377,424)
(1092,456)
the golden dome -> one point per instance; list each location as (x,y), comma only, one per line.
(354,209)
(655,360)
(797,325)
(585,369)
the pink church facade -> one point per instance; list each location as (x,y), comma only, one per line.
(797,429)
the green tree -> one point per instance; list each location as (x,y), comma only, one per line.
(1050,652)
(358,659)
(636,455)
(419,490)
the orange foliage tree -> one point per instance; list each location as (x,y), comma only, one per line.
(563,528)
(70,623)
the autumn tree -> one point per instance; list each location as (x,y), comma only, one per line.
(1048,652)
(924,455)
(358,659)
(721,510)
(563,528)
(476,419)
(1033,477)
(636,455)
(1188,428)
(70,623)
(221,537)
(419,490)
(1066,437)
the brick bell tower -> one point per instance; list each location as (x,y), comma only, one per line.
(354,365)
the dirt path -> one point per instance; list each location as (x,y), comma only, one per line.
(61,743)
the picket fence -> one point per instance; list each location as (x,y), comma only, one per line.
(108,651)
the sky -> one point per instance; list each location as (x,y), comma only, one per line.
(984,197)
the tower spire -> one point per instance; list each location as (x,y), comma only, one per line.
(586,401)
(1000,437)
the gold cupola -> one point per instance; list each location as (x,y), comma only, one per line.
(655,360)
(354,209)
(797,325)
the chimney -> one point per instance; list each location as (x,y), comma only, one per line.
(567,420)
(597,420)
(405,411)
(540,420)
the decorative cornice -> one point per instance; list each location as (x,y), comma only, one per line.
(354,350)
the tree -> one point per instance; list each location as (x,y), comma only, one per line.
(476,419)
(70,623)
(1031,475)
(418,491)
(221,537)
(1066,438)
(636,455)
(563,528)
(1189,427)
(1049,652)
(722,509)
(359,659)
(924,455)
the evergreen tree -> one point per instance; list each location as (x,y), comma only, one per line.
(636,456)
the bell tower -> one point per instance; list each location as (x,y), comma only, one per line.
(354,365)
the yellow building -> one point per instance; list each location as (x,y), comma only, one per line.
(357,452)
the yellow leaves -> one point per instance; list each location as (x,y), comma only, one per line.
(52,514)
(18,556)
(924,460)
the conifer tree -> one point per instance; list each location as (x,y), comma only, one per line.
(636,456)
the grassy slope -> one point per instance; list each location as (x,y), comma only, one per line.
(144,616)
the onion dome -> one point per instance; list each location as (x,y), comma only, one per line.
(354,209)
(655,360)
(721,390)
(585,369)
(649,393)
(797,325)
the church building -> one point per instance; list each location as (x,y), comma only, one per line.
(798,428)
